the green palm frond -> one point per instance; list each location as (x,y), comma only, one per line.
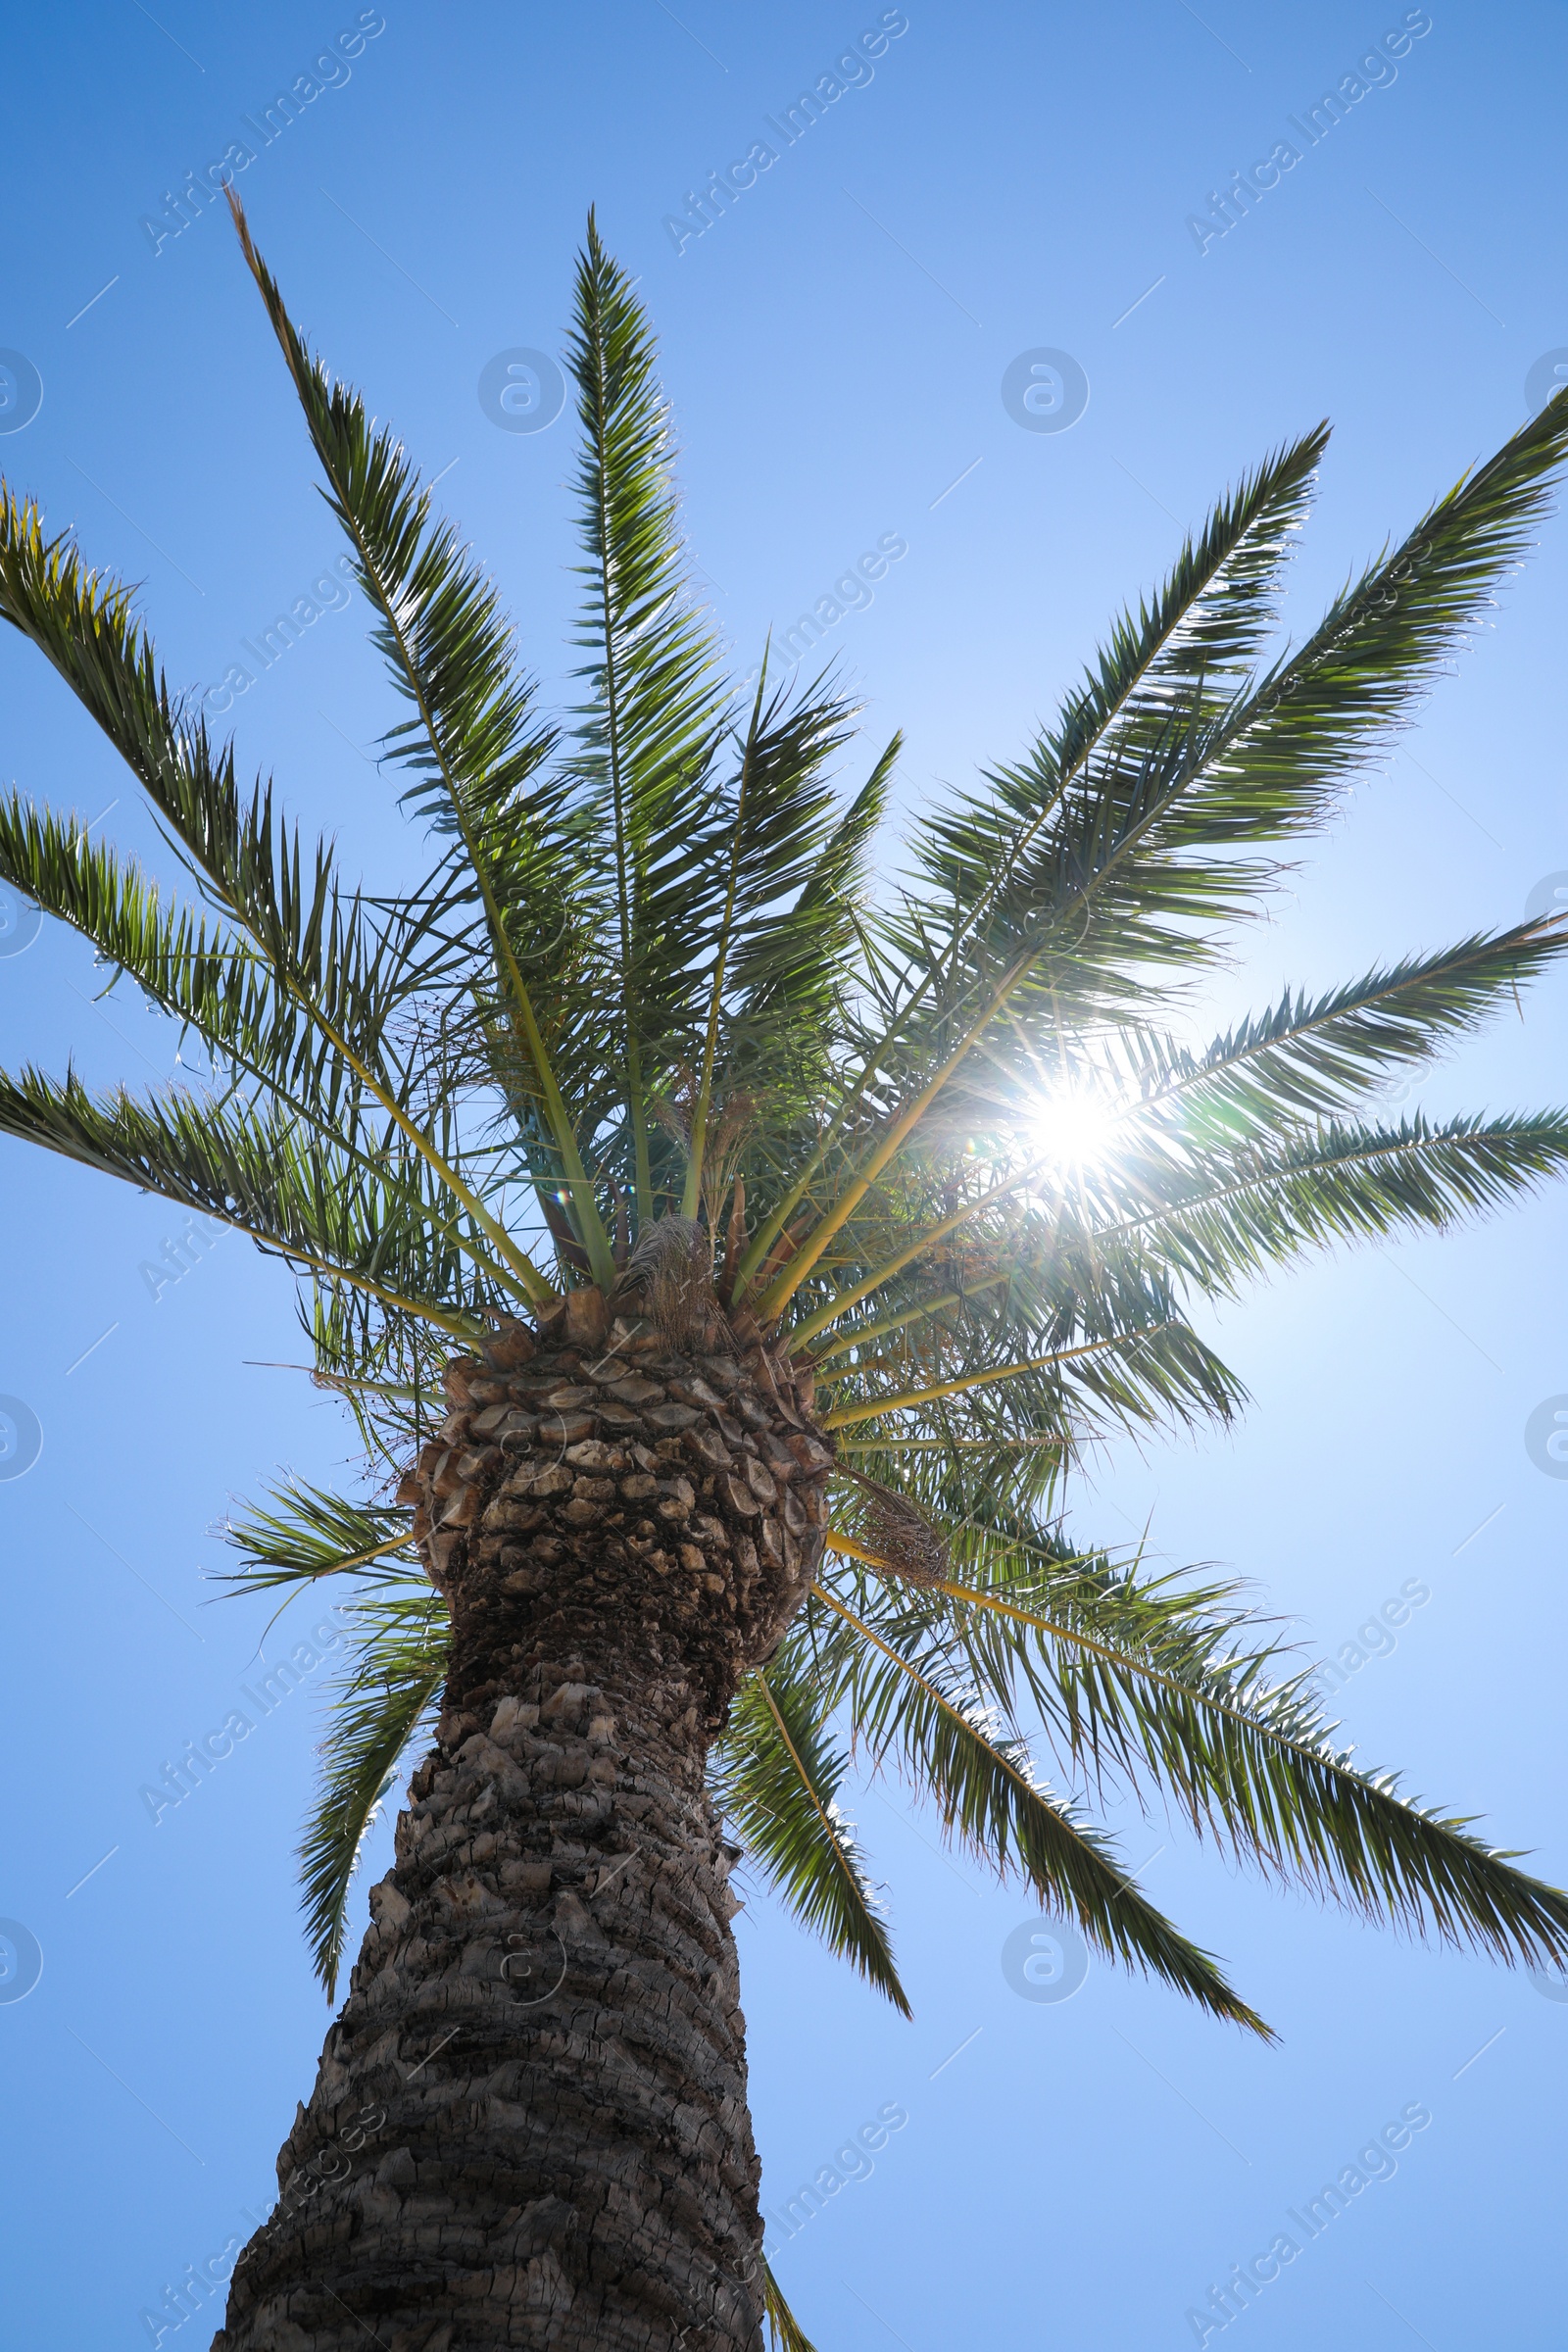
(800,962)
(380,1703)
(1242,1212)
(1308,1056)
(657,706)
(770,825)
(1149,1374)
(191,966)
(936,988)
(470,743)
(386,1365)
(1270,764)
(310,1533)
(783,2327)
(288,904)
(1318,712)
(776,1773)
(349,979)
(257,1170)
(1075,1304)
(276,1060)
(1133,862)
(1182,653)
(1163,1687)
(908,1703)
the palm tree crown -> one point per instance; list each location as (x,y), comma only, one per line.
(935,1143)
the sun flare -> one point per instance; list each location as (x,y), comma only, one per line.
(1077,1129)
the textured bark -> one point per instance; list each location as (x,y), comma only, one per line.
(529,2127)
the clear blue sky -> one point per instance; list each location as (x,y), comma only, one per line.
(1007,179)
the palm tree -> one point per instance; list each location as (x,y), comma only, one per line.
(726,1263)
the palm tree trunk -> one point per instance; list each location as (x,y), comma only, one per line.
(530,2125)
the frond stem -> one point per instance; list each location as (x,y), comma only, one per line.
(868,1412)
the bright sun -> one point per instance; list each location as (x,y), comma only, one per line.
(1077,1129)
